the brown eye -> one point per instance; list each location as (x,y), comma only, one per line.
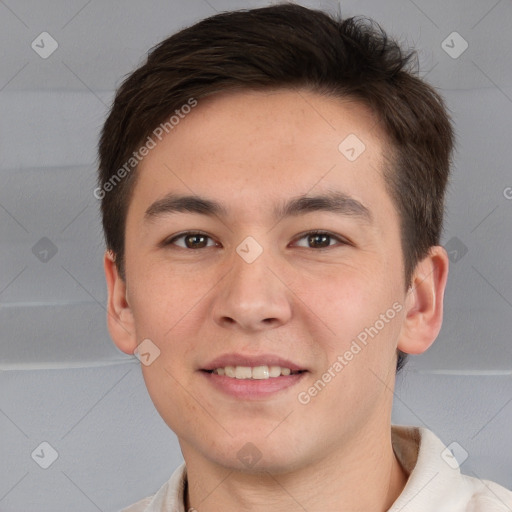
(320,240)
(191,240)
(195,241)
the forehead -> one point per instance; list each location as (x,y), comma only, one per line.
(251,149)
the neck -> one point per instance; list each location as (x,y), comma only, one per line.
(368,478)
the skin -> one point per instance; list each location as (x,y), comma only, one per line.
(248,151)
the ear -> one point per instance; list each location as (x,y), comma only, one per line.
(120,320)
(424,303)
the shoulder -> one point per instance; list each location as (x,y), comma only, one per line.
(487,496)
(435,481)
(169,497)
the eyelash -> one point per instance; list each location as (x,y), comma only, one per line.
(341,240)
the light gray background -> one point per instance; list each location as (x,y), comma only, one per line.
(62,380)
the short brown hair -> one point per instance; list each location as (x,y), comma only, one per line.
(288,46)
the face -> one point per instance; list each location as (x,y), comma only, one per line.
(258,275)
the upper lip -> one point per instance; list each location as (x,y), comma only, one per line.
(248,360)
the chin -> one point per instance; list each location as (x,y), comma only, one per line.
(256,455)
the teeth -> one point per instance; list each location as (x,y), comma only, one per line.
(260,372)
(256,372)
(275,371)
(243,372)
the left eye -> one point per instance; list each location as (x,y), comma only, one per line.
(320,239)
(196,240)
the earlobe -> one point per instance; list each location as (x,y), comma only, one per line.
(120,320)
(424,303)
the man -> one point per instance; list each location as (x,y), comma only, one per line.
(272,187)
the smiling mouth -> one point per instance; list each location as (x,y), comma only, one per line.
(254,372)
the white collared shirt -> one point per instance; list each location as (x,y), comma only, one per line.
(435,483)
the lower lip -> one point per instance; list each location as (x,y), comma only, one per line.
(247,389)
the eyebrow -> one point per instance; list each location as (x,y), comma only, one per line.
(335,202)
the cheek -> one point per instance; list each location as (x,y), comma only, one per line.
(355,306)
(170,310)
(166,388)
(160,298)
(343,299)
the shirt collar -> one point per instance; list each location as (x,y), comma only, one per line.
(419,451)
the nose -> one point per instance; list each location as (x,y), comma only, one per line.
(253,296)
